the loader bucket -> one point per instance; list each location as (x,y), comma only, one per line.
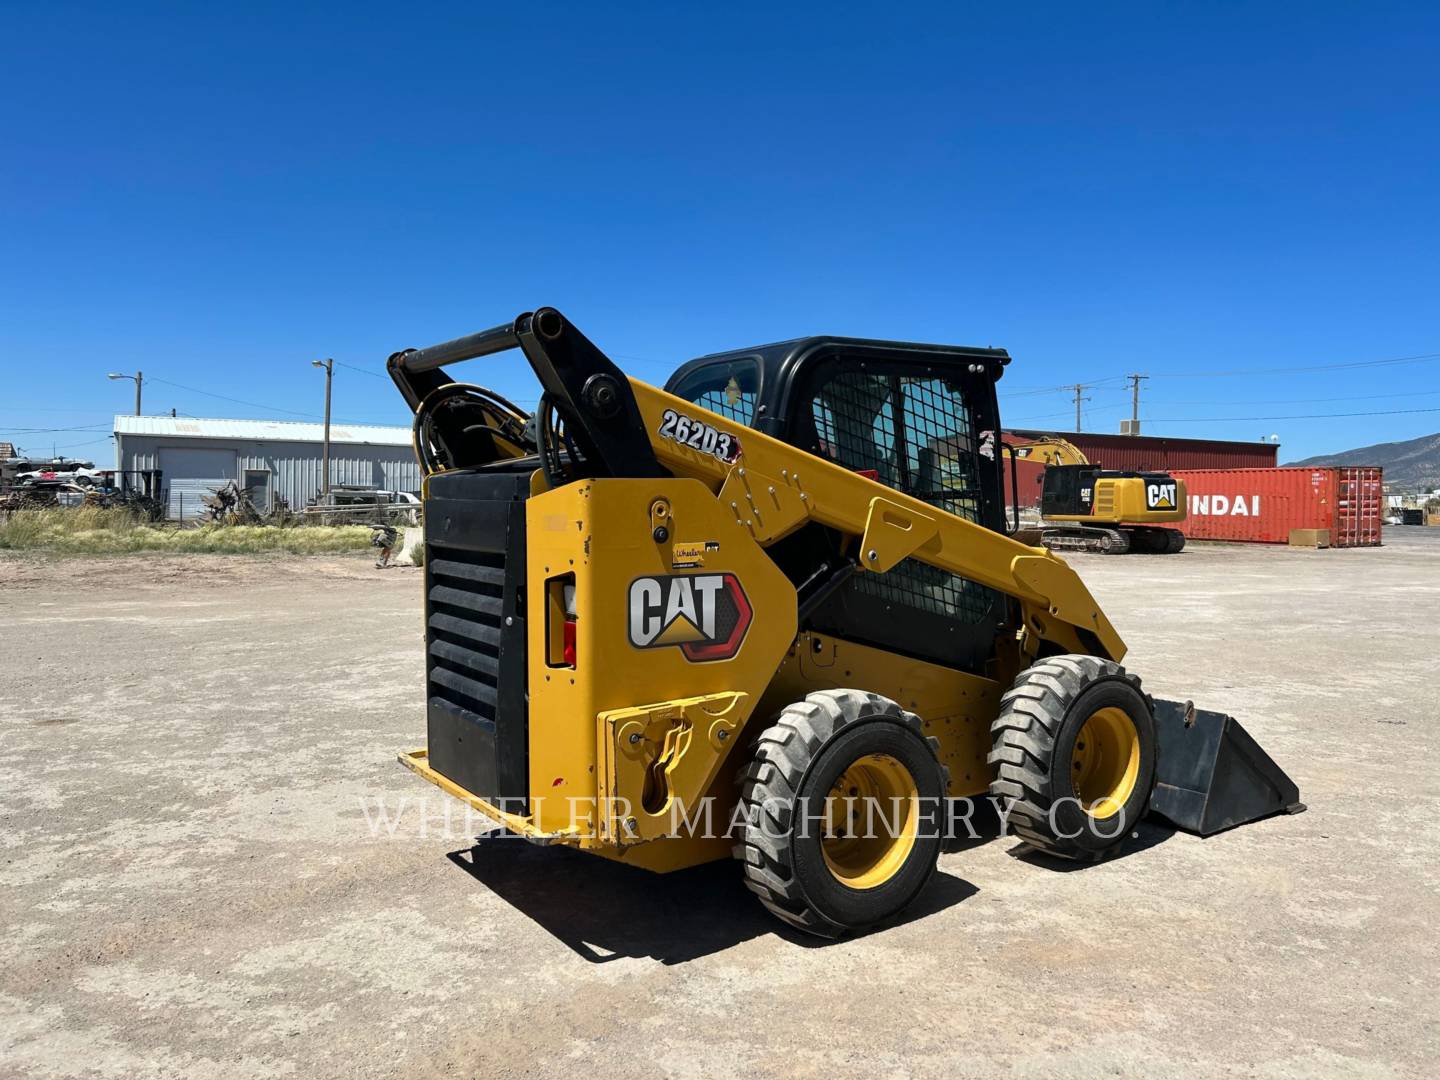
(1211,775)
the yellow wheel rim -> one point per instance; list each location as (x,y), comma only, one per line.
(1106,762)
(871,816)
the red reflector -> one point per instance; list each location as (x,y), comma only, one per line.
(870,474)
(569,647)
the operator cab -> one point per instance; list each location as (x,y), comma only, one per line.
(918,418)
(921,419)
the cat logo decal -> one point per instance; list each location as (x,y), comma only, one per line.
(704,615)
(1161,495)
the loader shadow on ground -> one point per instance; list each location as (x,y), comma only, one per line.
(604,911)
(982,826)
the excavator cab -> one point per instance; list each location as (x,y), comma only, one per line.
(772,612)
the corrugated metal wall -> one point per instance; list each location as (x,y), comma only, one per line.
(1142,452)
(294,467)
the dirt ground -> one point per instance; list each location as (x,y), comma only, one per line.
(194,753)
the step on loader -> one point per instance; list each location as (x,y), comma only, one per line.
(774,611)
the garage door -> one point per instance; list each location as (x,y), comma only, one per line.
(190,474)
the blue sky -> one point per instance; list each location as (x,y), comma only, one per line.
(217,194)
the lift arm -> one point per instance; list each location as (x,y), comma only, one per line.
(625,427)
(773,488)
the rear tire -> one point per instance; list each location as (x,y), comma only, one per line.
(1073,750)
(816,768)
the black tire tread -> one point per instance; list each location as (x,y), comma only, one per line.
(1022,740)
(783,754)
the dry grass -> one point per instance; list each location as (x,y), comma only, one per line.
(93,530)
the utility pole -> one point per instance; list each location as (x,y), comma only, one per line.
(329,366)
(1079,391)
(1135,400)
(139,379)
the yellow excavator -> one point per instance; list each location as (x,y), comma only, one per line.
(1086,508)
(774,612)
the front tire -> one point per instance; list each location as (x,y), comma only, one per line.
(842,808)
(1073,749)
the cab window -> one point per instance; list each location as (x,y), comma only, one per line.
(729,388)
(931,454)
(913,432)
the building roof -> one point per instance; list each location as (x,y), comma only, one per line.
(1108,439)
(189,427)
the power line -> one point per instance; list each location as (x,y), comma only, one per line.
(1028,391)
(42,408)
(1308,401)
(1422,358)
(71,446)
(52,430)
(1302,416)
(258,405)
(1419,358)
(236,401)
(361,370)
(1054,415)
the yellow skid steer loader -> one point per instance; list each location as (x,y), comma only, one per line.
(773,611)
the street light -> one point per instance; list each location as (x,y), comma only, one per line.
(329,366)
(139,378)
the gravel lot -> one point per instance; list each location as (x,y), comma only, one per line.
(193,752)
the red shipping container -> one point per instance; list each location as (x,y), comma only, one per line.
(1263,505)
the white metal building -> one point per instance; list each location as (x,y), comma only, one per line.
(273,458)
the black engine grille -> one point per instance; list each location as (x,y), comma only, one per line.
(466,599)
(475,634)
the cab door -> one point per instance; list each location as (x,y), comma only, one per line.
(926,428)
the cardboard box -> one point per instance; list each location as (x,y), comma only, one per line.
(1312,538)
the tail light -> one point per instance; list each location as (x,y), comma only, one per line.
(567,593)
(560,621)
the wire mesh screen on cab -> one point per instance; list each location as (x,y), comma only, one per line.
(930,454)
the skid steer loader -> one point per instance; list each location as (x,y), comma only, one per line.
(773,611)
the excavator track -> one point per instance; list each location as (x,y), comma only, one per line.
(1085,538)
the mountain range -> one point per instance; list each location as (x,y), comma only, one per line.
(1411,465)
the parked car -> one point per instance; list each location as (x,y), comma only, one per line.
(359,499)
(83,473)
